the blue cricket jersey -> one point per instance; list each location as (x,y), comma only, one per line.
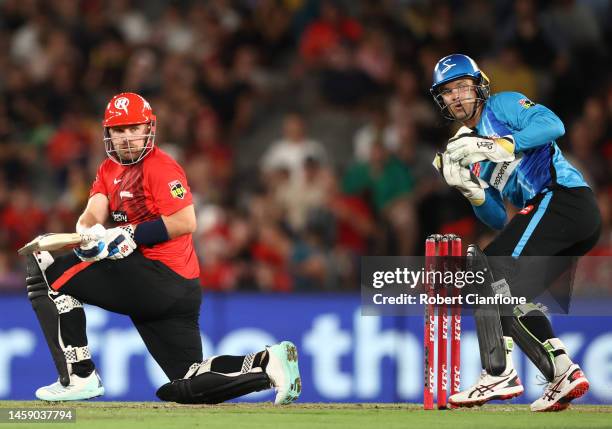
(539,162)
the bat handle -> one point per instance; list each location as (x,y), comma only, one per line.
(88,238)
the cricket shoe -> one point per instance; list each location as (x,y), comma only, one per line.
(489,388)
(565,387)
(80,388)
(284,372)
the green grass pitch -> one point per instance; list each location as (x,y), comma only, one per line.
(136,415)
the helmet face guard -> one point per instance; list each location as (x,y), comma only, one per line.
(453,67)
(135,154)
(127,109)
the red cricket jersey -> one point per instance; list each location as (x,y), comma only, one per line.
(144,191)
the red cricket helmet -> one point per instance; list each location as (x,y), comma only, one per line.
(124,109)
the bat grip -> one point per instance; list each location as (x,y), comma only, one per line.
(88,238)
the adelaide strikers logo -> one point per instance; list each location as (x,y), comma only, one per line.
(122,104)
(447,66)
(177,190)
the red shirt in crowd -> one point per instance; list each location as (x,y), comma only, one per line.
(144,191)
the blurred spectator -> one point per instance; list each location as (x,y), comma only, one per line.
(68,145)
(302,199)
(408,103)
(231,99)
(375,56)
(524,30)
(583,153)
(508,72)
(387,183)
(378,128)
(22,218)
(341,82)
(293,149)
(333,28)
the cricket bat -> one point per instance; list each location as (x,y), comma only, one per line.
(55,241)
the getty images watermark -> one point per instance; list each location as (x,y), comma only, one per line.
(402,285)
(406,278)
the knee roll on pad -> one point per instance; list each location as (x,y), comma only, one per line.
(212,388)
(536,351)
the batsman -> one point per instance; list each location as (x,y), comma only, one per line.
(143,265)
(506,150)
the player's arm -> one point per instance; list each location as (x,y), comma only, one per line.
(96,212)
(536,125)
(180,223)
(492,212)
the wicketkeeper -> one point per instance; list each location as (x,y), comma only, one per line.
(506,149)
(142,265)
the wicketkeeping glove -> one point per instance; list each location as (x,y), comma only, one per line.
(468,147)
(120,241)
(94,250)
(461,178)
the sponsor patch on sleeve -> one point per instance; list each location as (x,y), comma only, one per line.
(177,189)
(526,103)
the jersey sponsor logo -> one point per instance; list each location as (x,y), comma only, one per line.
(176,189)
(447,66)
(526,210)
(526,103)
(122,103)
(119,216)
(125,194)
(502,172)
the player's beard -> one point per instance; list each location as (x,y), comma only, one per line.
(128,151)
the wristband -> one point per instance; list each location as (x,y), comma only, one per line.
(151,232)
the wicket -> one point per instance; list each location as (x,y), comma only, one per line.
(437,258)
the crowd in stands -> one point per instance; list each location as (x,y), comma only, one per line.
(305,127)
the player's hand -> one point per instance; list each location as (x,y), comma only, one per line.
(467,147)
(120,242)
(461,178)
(93,250)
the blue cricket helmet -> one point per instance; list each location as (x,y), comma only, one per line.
(457,66)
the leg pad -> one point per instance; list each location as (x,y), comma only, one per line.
(487,318)
(529,344)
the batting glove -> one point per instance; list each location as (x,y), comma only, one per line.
(461,178)
(120,242)
(467,147)
(93,250)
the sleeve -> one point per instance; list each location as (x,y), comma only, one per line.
(535,125)
(168,186)
(492,212)
(99,185)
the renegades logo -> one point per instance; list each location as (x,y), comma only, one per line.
(177,190)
